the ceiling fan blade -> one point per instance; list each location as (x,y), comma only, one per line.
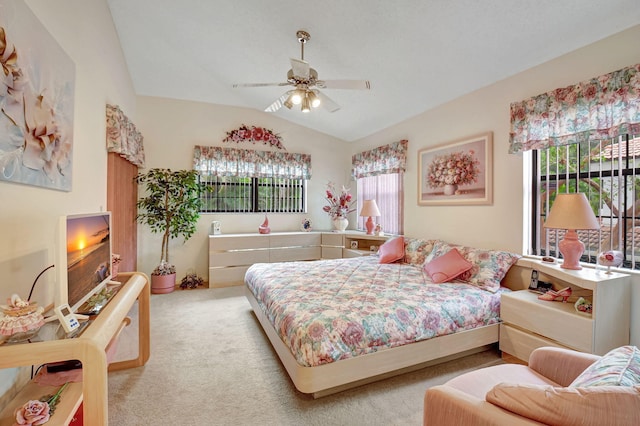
(300,68)
(278,103)
(261,84)
(326,102)
(344,84)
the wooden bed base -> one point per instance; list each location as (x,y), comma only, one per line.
(335,377)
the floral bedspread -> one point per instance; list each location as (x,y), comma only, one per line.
(329,310)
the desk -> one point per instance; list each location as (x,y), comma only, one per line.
(89,348)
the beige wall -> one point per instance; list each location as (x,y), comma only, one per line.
(501,224)
(29,215)
(171,128)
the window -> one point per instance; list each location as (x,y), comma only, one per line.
(608,173)
(388,192)
(379,175)
(248,181)
(247,194)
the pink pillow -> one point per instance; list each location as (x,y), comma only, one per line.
(392,250)
(447,267)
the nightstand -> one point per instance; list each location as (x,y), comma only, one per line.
(529,323)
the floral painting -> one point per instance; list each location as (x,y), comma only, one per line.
(36,102)
(456,173)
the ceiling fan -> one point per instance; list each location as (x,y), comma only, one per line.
(305,81)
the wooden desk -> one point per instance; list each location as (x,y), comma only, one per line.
(89,348)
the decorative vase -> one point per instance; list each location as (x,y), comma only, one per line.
(450,189)
(340,224)
(264,228)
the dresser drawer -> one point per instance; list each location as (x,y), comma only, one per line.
(332,239)
(304,239)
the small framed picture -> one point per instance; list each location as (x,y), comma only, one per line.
(354,244)
(373,249)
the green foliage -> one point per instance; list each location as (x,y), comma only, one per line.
(171,205)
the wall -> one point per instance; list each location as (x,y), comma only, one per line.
(501,224)
(29,215)
(171,128)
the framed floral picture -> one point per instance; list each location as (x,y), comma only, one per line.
(457,173)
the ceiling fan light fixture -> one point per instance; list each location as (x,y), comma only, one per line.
(296,97)
(306,105)
(288,102)
(314,99)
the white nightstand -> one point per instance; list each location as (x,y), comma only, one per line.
(529,323)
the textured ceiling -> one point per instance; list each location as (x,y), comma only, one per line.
(417,54)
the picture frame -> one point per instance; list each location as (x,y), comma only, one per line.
(457,173)
(354,244)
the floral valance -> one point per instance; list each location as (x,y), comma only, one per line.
(123,137)
(601,108)
(218,161)
(386,159)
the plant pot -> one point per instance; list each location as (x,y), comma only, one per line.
(340,224)
(161,284)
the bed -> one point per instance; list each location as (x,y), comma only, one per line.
(340,323)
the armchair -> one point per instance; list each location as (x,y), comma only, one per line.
(540,393)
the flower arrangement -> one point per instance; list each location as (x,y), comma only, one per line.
(456,168)
(254,134)
(38,412)
(339,206)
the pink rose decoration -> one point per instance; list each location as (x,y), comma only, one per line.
(258,133)
(33,413)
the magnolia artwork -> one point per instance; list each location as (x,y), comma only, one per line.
(36,101)
(456,173)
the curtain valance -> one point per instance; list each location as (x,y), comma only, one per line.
(218,161)
(601,108)
(123,137)
(382,160)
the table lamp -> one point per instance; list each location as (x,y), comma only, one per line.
(369,208)
(571,212)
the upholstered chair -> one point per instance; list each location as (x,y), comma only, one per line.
(559,386)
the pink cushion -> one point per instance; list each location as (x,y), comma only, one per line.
(488,266)
(392,250)
(618,367)
(598,405)
(447,267)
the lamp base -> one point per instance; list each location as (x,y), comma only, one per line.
(369,225)
(571,248)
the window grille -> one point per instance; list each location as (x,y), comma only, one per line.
(608,173)
(253,195)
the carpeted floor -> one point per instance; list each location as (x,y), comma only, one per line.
(211,364)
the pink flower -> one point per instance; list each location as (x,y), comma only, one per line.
(258,133)
(33,413)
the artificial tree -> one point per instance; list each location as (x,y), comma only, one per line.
(171,206)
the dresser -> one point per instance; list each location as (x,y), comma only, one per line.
(230,255)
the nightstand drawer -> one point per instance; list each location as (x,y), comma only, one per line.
(520,343)
(554,320)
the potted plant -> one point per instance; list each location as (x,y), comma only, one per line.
(171,207)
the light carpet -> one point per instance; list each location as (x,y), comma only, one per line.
(211,364)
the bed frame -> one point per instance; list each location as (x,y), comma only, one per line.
(335,377)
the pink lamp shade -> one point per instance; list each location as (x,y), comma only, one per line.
(369,208)
(571,212)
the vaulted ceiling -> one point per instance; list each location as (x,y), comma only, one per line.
(417,54)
